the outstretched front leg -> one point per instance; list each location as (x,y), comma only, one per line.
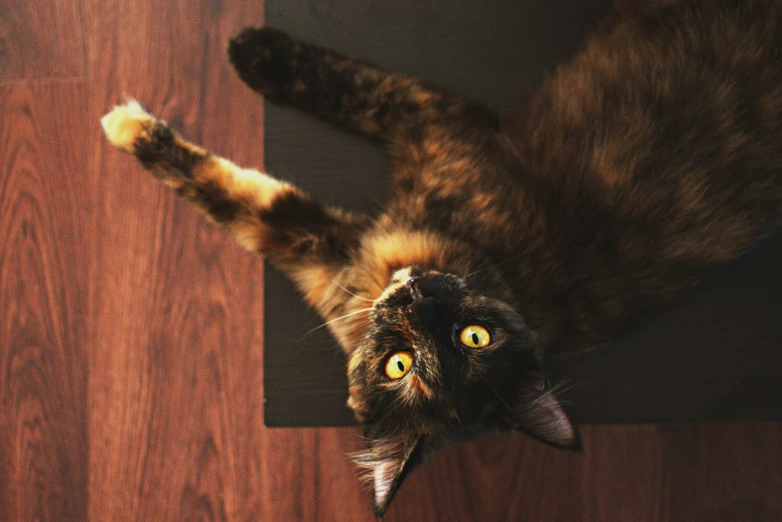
(355,94)
(309,242)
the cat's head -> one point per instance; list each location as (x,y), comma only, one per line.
(441,363)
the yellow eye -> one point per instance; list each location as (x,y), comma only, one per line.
(475,336)
(398,365)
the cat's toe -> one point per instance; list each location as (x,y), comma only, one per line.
(125,124)
(262,58)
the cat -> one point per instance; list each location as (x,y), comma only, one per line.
(647,161)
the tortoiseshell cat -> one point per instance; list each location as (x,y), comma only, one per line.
(650,159)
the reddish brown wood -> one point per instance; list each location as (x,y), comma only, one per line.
(131,350)
(42,41)
(175,361)
(724,472)
(43,304)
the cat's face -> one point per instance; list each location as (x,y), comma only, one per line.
(441,363)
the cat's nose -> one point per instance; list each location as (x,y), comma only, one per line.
(415,288)
(415,291)
(424,305)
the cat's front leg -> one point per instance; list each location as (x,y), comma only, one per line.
(353,93)
(264,214)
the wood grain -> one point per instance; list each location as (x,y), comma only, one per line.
(176,354)
(131,334)
(43,291)
(42,41)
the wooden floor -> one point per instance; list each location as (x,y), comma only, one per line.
(130,330)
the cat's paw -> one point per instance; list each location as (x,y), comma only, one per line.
(125,124)
(265,59)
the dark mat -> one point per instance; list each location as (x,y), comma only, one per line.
(715,357)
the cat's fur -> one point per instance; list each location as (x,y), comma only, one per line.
(650,159)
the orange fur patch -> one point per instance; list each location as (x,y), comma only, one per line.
(420,387)
(384,254)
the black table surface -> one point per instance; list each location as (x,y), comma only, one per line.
(715,357)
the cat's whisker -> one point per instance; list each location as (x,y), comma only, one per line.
(495,265)
(354,295)
(350,314)
(560,388)
(476,271)
(373,278)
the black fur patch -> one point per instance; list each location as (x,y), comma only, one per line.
(441,210)
(217,202)
(262,58)
(294,211)
(157,148)
(354,93)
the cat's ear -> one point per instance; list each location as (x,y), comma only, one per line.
(541,416)
(387,464)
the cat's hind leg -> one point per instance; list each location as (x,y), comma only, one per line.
(355,94)
(264,214)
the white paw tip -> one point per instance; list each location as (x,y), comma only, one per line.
(125,123)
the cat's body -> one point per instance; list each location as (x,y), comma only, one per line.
(650,159)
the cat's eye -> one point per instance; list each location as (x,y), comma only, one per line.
(475,336)
(398,365)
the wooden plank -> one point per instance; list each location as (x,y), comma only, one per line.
(41,41)
(722,472)
(175,359)
(43,298)
(671,473)
(307,477)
